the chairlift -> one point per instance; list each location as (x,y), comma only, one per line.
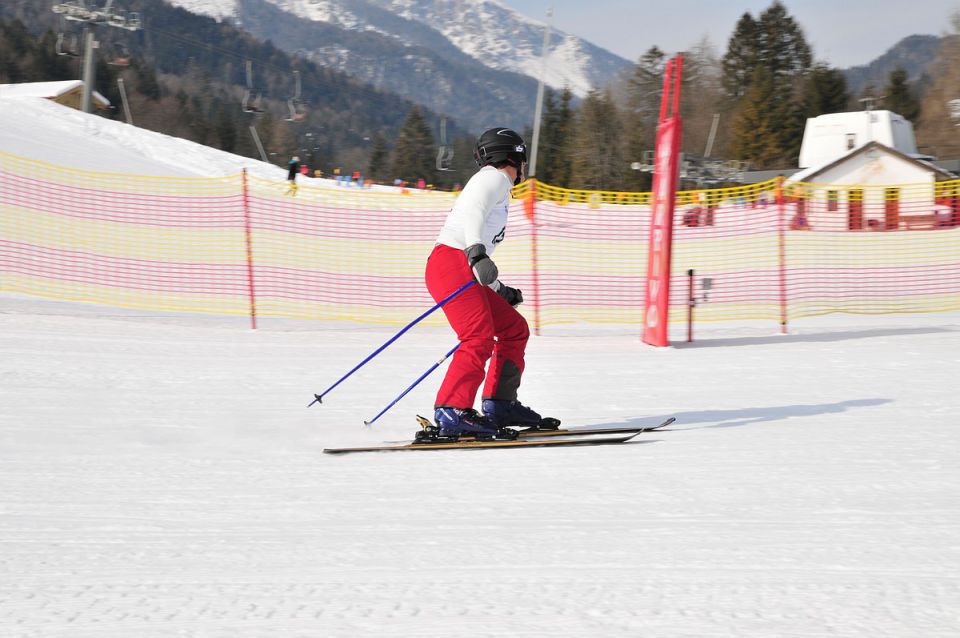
(445,152)
(68,45)
(297,113)
(74,10)
(120,55)
(250,103)
(117,18)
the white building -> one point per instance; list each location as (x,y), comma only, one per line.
(862,171)
(828,137)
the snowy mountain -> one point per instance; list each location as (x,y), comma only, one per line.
(486,31)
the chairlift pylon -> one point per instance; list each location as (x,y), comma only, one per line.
(444,152)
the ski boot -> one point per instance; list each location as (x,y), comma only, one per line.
(505,413)
(452,423)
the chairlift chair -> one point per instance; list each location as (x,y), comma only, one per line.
(68,45)
(297,113)
(117,18)
(251,104)
(134,23)
(120,55)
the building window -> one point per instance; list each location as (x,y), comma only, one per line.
(891,217)
(851,141)
(855,209)
(833,198)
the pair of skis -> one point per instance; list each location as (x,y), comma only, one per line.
(526,438)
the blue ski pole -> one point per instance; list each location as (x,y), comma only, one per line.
(413,385)
(318,398)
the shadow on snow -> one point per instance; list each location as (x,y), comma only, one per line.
(745,416)
(824,337)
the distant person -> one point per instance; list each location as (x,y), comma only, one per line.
(293,167)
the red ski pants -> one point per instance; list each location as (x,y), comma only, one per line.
(486,325)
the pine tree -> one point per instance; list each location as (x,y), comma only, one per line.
(825,91)
(781,46)
(701,97)
(414,155)
(597,152)
(899,96)
(146,80)
(553,152)
(774,41)
(639,93)
(741,57)
(379,154)
(225,130)
(755,136)
(938,129)
(645,85)
(779,57)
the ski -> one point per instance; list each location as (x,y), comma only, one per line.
(490,445)
(527,433)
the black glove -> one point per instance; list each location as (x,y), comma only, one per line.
(512,296)
(484,270)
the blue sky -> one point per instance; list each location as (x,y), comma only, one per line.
(842,33)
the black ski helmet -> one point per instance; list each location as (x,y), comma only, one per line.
(498,145)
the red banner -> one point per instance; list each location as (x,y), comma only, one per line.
(669,131)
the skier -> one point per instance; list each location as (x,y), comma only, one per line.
(293,167)
(483,316)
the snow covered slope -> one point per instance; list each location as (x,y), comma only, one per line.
(162,476)
(49,132)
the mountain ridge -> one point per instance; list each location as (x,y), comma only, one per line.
(487,31)
(913,53)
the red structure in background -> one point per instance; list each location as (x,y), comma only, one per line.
(669,134)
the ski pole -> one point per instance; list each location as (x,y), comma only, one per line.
(413,385)
(318,398)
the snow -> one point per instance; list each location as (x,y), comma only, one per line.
(162,475)
(45,89)
(50,132)
(216,9)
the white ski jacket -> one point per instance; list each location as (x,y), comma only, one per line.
(479,216)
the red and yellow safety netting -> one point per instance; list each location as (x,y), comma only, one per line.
(245,245)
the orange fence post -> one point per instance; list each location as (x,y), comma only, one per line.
(246,225)
(530,207)
(781,211)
